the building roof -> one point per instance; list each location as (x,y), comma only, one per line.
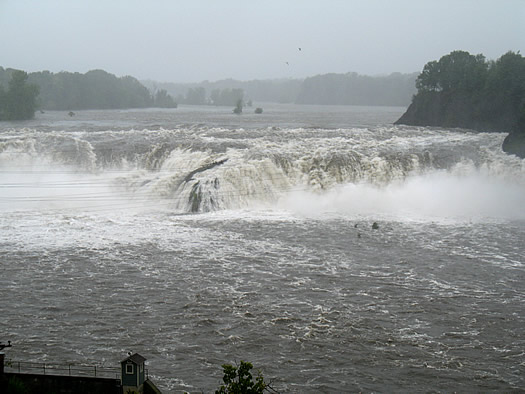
(136,358)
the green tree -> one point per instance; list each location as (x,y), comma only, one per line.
(226,96)
(163,100)
(505,90)
(463,90)
(2,102)
(19,102)
(46,83)
(95,89)
(428,80)
(457,71)
(238,107)
(196,96)
(239,380)
(507,76)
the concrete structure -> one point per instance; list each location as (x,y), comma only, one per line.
(37,383)
(133,379)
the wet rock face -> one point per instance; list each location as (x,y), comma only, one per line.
(430,110)
(514,144)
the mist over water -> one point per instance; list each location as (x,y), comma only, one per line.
(196,237)
(432,197)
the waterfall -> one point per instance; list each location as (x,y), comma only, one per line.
(202,170)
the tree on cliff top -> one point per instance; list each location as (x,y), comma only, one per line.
(458,70)
(464,90)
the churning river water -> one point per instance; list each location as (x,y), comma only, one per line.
(197,237)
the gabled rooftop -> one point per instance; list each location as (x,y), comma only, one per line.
(136,358)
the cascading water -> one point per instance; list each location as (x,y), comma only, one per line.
(209,169)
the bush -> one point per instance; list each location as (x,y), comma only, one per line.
(239,380)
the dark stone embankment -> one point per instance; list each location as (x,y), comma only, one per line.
(35,383)
(514,144)
(450,109)
(441,111)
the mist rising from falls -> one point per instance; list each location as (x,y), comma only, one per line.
(435,196)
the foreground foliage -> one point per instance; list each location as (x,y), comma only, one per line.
(239,380)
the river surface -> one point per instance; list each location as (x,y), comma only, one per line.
(197,237)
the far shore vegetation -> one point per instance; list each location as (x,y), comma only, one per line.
(395,89)
(22,93)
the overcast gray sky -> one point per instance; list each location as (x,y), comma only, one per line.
(195,40)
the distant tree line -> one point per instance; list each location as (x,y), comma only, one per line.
(227,96)
(464,90)
(354,89)
(336,89)
(228,91)
(98,89)
(220,97)
(95,89)
(194,96)
(161,99)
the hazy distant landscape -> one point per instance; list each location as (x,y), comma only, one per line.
(331,89)
(98,89)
